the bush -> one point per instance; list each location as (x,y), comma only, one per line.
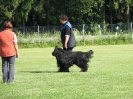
(99,40)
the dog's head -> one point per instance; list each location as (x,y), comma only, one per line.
(57,51)
(90,52)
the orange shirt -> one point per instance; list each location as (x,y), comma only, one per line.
(7,47)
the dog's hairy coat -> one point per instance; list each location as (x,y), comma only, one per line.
(67,59)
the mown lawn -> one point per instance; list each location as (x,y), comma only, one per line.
(110,75)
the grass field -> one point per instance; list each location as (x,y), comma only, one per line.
(110,75)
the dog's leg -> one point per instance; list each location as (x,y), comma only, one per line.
(60,66)
(60,70)
(65,68)
(84,68)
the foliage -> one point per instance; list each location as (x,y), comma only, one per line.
(46,12)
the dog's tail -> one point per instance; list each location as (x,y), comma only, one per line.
(89,53)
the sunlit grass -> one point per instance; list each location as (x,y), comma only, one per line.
(110,75)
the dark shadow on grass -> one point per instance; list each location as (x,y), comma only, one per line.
(40,71)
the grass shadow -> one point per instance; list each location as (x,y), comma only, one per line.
(40,71)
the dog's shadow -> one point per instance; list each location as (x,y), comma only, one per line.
(40,71)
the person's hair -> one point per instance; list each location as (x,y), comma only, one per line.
(63,17)
(7,24)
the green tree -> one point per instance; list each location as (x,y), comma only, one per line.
(23,10)
(98,11)
(122,7)
(7,8)
(15,10)
(38,12)
(78,11)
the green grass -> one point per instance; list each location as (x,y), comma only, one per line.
(110,75)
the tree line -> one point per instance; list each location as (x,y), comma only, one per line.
(46,12)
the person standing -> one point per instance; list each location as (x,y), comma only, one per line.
(116,31)
(8,51)
(67,35)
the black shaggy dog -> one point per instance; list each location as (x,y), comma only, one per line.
(66,59)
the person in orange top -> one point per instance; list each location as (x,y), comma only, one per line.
(8,51)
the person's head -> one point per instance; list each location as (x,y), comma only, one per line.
(63,18)
(7,24)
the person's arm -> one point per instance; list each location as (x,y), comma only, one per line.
(16,45)
(67,36)
(16,48)
(66,40)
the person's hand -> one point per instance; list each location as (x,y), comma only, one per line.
(17,55)
(66,46)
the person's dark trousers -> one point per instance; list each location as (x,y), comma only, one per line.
(68,49)
(8,68)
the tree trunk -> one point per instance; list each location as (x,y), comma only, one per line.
(111,22)
(23,25)
(104,21)
(128,18)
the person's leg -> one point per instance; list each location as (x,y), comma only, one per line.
(5,69)
(70,49)
(11,61)
(64,49)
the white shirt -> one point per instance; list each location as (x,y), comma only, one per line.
(15,38)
